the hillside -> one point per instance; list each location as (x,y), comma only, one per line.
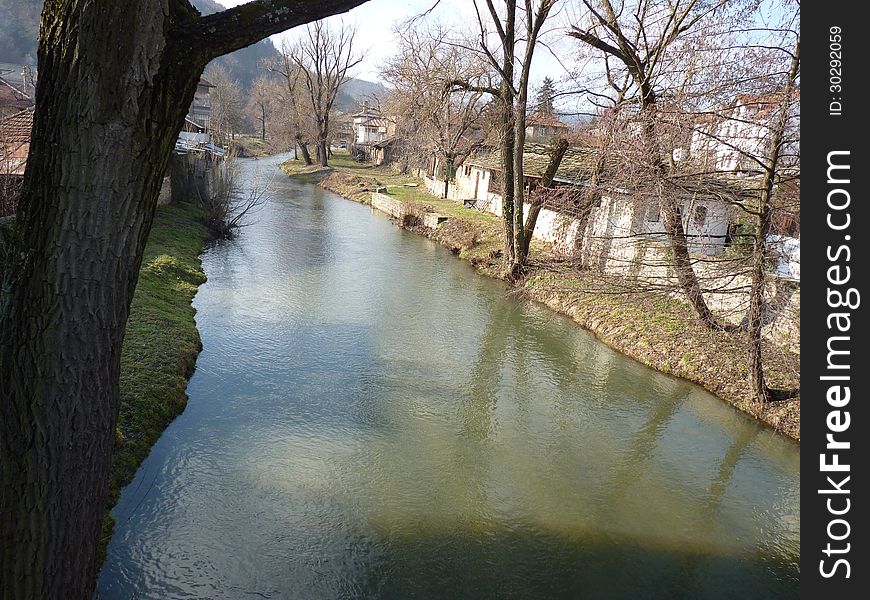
(19,28)
(355,91)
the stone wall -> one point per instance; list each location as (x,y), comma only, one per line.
(610,246)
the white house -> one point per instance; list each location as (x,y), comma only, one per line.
(370,126)
(541,127)
(200,109)
(732,139)
(619,227)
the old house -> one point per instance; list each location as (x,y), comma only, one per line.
(372,130)
(15,142)
(370,126)
(14,147)
(200,109)
(619,228)
(733,138)
(542,127)
(12,99)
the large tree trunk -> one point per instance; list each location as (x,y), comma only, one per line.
(507,160)
(101,141)
(519,181)
(115,82)
(506,97)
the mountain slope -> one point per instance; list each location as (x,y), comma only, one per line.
(19,29)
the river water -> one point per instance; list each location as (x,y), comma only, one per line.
(369,418)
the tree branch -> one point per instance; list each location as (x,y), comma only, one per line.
(229,30)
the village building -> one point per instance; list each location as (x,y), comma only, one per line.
(542,127)
(734,138)
(15,142)
(14,147)
(12,99)
(620,230)
(370,126)
(373,133)
(200,109)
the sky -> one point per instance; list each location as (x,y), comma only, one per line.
(376,20)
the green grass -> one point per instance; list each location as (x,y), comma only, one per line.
(161,342)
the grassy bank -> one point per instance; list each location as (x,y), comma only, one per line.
(161,342)
(653,329)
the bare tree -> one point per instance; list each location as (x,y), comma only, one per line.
(324,58)
(260,103)
(771,174)
(292,101)
(228,207)
(115,83)
(639,36)
(437,116)
(226,105)
(516,30)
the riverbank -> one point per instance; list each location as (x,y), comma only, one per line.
(655,330)
(161,341)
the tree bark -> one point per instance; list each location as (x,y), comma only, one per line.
(303,148)
(519,175)
(507,160)
(115,83)
(506,96)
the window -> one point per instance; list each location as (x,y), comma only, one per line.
(700,216)
(495,185)
(653,213)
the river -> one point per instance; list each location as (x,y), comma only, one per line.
(369,418)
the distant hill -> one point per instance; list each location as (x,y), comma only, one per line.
(355,91)
(19,29)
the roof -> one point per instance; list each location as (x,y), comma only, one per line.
(577,164)
(16,128)
(545,120)
(374,122)
(19,76)
(368,111)
(6,86)
(205,82)
(385,143)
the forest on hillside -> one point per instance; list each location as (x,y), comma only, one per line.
(19,30)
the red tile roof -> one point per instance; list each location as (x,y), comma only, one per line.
(16,128)
(543,120)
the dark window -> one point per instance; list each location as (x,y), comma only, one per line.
(700,216)
(495,183)
(653,213)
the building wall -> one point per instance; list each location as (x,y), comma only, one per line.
(705,235)
(620,240)
(366,134)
